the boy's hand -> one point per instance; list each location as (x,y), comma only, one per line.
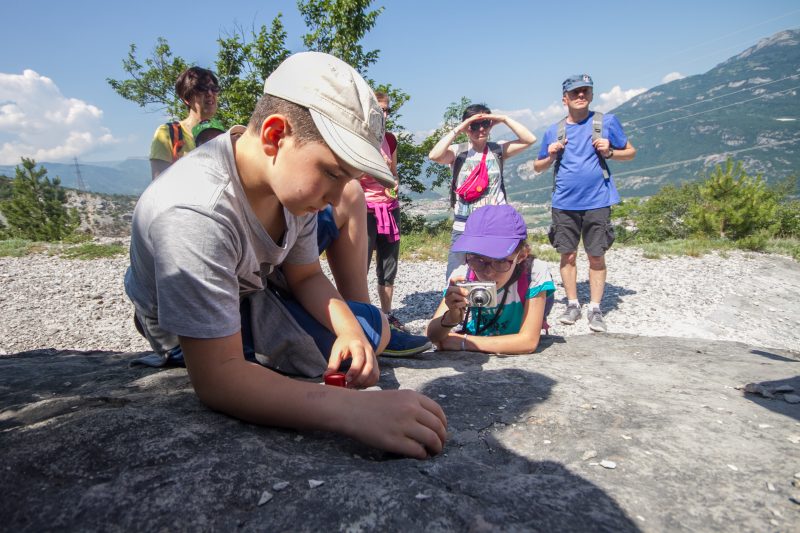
(400,421)
(364,370)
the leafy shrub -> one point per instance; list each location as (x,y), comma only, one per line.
(756,242)
(788,219)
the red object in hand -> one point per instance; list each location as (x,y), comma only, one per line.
(336,379)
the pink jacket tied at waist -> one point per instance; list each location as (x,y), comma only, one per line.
(387,225)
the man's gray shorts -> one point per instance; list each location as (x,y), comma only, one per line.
(594,225)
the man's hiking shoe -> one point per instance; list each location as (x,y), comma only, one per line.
(396,324)
(403,344)
(572,314)
(596,322)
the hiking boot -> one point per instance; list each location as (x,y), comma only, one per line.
(571,314)
(403,344)
(396,324)
(596,322)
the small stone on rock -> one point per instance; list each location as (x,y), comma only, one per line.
(626,437)
(421,496)
(589,454)
(733,467)
(757,388)
(770,487)
(608,464)
(791,398)
(314,483)
(265,497)
(783,388)
(279,486)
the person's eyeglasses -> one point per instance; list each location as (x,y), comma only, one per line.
(480,264)
(202,89)
(478,124)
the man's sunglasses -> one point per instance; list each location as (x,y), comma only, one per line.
(478,124)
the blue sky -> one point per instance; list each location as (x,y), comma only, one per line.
(55,103)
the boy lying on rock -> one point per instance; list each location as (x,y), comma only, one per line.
(225,269)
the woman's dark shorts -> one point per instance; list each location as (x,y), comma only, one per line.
(593,225)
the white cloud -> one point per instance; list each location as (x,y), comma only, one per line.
(672,76)
(535,120)
(613,98)
(37,121)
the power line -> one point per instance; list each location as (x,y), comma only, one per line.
(740,30)
(675,163)
(630,122)
(700,158)
(714,109)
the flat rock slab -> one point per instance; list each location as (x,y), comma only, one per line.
(88,443)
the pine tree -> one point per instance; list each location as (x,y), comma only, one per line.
(733,205)
(37,209)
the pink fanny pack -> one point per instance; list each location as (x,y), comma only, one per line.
(477,182)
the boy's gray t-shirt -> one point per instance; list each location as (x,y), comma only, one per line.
(197,247)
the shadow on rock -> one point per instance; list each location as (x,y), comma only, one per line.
(133,449)
(490,487)
(780,396)
(775,356)
(612,295)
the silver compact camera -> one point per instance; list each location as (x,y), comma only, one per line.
(481,294)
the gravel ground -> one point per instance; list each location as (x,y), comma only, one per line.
(50,302)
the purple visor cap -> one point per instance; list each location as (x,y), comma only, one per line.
(493,231)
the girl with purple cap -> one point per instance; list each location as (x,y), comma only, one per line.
(497,251)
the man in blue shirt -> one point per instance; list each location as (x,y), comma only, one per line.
(583,191)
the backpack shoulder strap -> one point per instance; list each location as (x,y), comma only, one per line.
(561,134)
(497,150)
(461,156)
(175,139)
(597,133)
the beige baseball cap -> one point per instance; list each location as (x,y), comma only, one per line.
(342,105)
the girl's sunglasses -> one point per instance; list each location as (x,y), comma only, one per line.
(478,124)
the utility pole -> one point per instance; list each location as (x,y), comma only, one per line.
(81,183)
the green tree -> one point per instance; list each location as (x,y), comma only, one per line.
(244,60)
(37,209)
(441,174)
(733,205)
(337,27)
(152,84)
(243,63)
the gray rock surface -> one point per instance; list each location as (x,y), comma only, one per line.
(88,443)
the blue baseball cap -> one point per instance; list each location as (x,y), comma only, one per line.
(493,231)
(578,80)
